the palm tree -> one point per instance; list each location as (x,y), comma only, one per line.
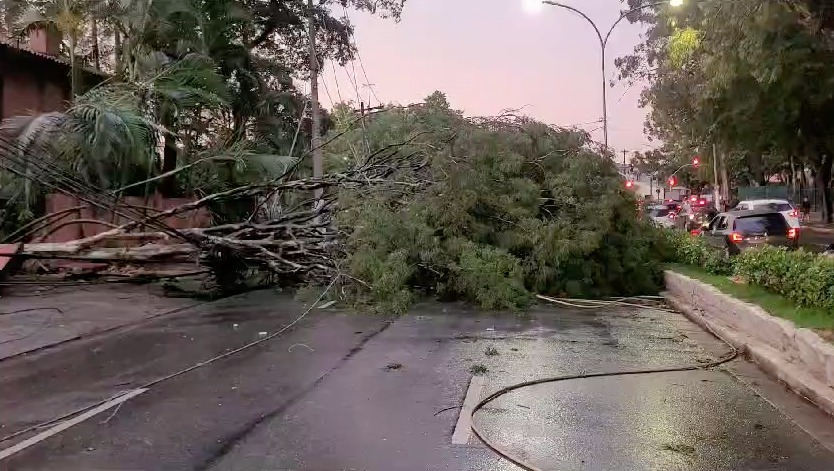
(184,81)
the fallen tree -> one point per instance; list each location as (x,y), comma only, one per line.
(298,244)
(513,207)
(485,210)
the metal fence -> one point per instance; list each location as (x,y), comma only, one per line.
(782,193)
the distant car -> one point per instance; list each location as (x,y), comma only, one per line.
(661,216)
(674,206)
(737,231)
(692,218)
(783,206)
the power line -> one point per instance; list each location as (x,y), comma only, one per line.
(353,64)
(68,183)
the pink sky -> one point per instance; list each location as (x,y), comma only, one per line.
(489,55)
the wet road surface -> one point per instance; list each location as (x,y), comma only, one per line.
(815,240)
(344,391)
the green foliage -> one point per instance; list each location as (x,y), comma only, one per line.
(210,80)
(510,207)
(804,278)
(478,369)
(814,318)
(489,276)
(682,46)
(688,250)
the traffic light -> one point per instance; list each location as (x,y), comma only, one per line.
(673,181)
(629,184)
(696,161)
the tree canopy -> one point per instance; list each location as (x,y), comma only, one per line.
(755,78)
(208,81)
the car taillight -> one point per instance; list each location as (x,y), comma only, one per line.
(794,214)
(736,237)
(793,233)
(695,232)
(671,215)
(702,202)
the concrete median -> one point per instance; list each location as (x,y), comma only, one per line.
(797,356)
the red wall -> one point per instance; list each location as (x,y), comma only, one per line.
(57,202)
(32,84)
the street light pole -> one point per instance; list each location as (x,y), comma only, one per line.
(679,169)
(603,43)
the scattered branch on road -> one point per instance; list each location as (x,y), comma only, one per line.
(297,242)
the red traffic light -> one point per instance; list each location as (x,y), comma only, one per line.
(673,181)
(696,162)
(629,184)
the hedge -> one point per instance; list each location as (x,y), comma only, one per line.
(805,278)
(688,250)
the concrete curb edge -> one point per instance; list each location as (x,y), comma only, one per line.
(773,360)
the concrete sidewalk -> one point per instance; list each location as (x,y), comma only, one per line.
(820,227)
(42,317)
(816,223)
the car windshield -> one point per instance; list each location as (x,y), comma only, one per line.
(659,213)
(762,224)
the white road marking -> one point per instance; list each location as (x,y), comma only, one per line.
(7,452)
(463,429)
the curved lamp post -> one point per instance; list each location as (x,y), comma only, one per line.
(603,42)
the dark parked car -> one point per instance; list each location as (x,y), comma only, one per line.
(737,231)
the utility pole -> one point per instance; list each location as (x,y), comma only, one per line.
(315,144)
(624,159)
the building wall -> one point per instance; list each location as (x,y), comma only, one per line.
(76,216)
(32,86)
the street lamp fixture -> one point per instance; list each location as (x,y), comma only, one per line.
(603,42)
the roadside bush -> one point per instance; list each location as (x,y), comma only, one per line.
(805,278)
(689,250)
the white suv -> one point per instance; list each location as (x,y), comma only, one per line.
(783,206)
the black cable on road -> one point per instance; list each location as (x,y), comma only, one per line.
(162,379)
(520,462)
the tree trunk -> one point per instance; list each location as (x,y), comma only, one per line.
(73,72)
(824,186)
(117,51)
(725,181)
(95,51)
(168,187)
(793,179)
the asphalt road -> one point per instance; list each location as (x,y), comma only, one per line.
(343,391)
(816,239)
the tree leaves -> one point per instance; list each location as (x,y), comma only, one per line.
(511,206)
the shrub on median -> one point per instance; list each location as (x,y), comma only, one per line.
(805,278)
(688,250)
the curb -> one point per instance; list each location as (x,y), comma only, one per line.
(796,357)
